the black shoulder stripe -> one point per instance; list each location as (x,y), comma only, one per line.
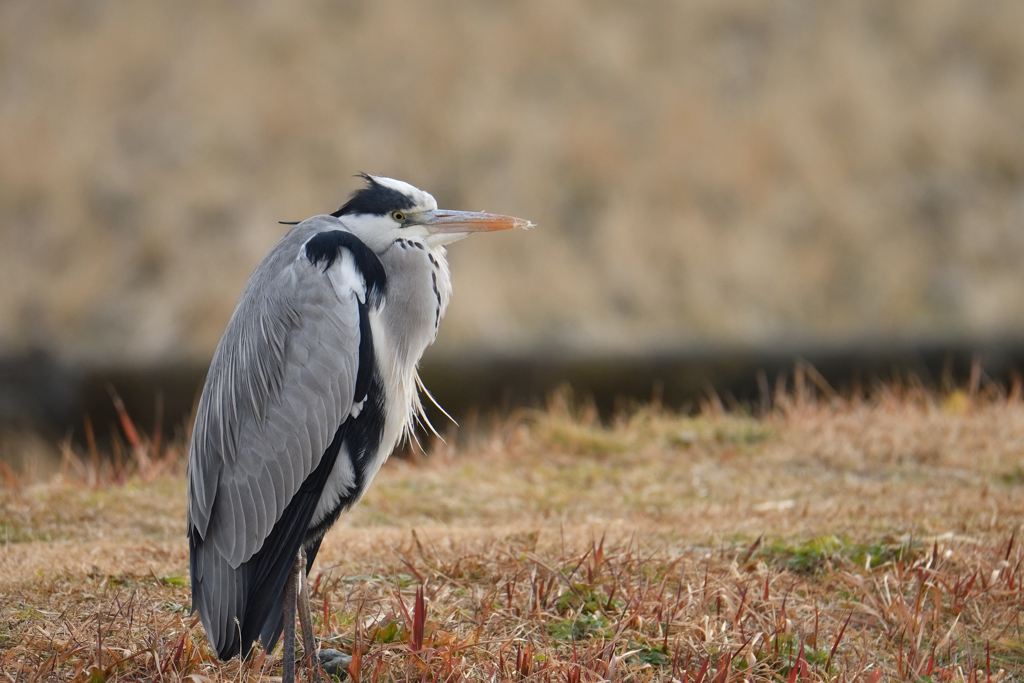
(366,355)
(362,437)
(324,248)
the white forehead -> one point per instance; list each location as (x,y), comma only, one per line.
(423,201)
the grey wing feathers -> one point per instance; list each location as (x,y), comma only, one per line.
(281,383)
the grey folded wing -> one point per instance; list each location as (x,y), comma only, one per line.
(281,383)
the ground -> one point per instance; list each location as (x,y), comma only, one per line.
(829,539)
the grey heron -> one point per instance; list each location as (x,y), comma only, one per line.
(311,387)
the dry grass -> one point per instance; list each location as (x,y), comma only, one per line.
(832,539)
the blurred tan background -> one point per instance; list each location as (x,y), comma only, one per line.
(702,173)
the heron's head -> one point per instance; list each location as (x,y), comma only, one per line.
(387,209)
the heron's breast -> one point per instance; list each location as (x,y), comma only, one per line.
(417,295)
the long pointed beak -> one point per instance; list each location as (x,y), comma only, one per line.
(443,221)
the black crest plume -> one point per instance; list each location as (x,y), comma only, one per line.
(374,199)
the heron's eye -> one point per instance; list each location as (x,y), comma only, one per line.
(398,216)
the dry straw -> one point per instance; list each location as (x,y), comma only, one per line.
(862,537)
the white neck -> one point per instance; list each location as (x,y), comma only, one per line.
(419,287)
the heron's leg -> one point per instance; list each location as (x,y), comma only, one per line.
(305,613)
(290,593)
(333,662)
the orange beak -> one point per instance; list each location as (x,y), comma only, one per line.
(447,222)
